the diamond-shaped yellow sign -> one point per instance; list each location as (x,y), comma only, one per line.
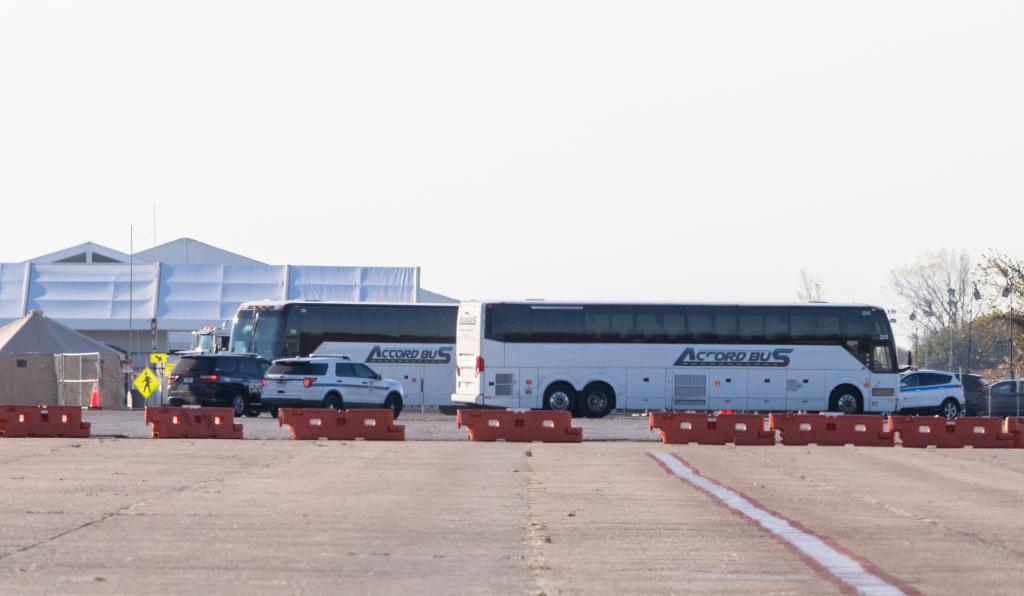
(146,382)
(158,358)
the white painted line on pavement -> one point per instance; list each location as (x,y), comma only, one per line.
(842,568)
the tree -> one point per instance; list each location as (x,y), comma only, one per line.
(1004,281)
(811,287)
(987,338)
(924,286)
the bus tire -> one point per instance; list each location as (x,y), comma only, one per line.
(598,400)
(560,397)
(333,401)
(846,399)
(393,402)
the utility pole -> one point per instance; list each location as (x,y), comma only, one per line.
(1008,293)
(131,288)
(952,325)
(970,330)
(913,319)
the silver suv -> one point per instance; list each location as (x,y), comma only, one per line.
(328,382)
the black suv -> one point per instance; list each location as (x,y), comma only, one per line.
(233,380)
(975,394)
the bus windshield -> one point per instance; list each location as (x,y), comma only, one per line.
(258,332)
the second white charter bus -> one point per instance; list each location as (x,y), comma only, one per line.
(413,343)
(591,358)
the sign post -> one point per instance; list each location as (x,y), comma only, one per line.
(159,362)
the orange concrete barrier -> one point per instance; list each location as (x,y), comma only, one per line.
(721,429)
(193,423)
(1015,428)
(981,433)
(43,421)
(519,426)
(826,430)
(346,425)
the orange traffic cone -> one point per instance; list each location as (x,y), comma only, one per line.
(94,401)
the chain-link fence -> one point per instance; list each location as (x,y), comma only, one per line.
(77,374)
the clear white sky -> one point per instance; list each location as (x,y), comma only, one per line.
(648,150)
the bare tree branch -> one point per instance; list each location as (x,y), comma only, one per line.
(924,288)
(812,288)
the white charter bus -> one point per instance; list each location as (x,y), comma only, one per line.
(409,342)
(591,358)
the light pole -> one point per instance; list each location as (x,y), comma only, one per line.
(952,325)
(913,319)
(1007,293)
(929,313)
(970,329)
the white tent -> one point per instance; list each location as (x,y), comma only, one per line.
(45,363)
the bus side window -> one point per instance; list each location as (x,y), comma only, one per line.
(701,324)
(516,323)
(860,349)
(649,327)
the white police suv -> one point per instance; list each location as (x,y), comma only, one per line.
(931,392)
(328,382)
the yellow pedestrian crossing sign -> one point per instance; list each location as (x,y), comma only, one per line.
(146,382)
(158,358)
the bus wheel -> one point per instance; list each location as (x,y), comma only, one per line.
(560,397)
(394,403)
(846,399)
(333,401)
(598,400)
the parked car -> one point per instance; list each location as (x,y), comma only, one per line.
(975,393)
(233,380)
(1007,399)
(931,392)
(329,382)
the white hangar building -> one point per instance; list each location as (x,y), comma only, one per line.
(154,299)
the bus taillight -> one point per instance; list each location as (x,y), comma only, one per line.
(479,365)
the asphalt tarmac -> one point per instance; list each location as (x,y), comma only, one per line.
(107,515)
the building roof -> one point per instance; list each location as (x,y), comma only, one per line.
(86,252)
(435,298)
(187,251)
(34,333)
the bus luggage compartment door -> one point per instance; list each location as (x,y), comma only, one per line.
(805,391)
(645,389)
(529,394)
(766,390)
(437,383)
(727,389)
(411,378)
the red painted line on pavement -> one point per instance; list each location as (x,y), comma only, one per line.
(849,572)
